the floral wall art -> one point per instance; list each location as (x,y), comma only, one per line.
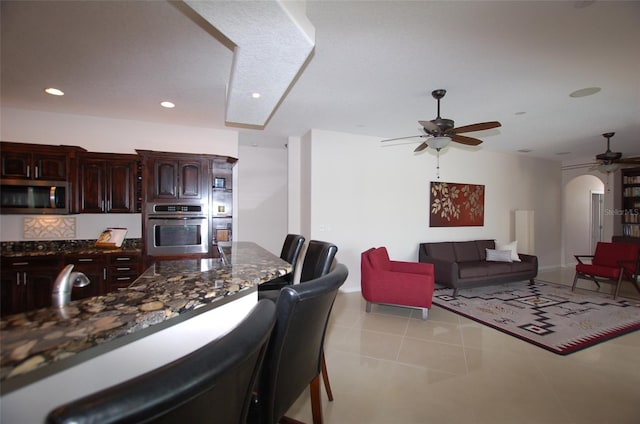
(456,205)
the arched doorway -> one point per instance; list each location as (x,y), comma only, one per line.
(583,199)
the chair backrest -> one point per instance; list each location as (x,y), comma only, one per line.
(317,260)
(610,254)
(293,357)
(291,249)
(214,382)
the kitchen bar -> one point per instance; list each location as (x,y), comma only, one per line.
(51,356)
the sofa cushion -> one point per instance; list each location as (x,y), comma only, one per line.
(379,259)
(466,251)
(522,266)
(483,245)
(512,247)
(473,269)
(442,250)
(498,255)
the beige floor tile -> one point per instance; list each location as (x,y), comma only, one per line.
(390,367)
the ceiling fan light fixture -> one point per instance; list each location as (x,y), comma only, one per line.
(606,168)
(438,142)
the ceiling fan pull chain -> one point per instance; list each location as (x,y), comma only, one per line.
(438,163)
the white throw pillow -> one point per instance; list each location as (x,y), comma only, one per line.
(512,247)
(498,255)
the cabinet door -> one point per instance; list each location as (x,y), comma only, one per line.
(120,187)
(91,186)
(39,287)
(50,167)
(93,267)
(12,298)
(27,283)
(190,179)
(165,181)
(16,164)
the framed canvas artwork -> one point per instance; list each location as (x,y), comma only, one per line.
(456,205)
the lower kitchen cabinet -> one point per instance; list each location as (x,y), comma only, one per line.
(26,283)
(93,266)
(122,270)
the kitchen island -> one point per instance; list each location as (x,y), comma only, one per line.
(50,356)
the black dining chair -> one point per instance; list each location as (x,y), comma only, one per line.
(318,261)
(293,358)
(291,249)
(212,384)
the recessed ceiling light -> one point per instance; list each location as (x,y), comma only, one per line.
(525,150)
(520,113)
(54,91)
(256,95)
(584,92)
(562,153)
(167,104)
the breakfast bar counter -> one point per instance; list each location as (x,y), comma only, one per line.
(173,308)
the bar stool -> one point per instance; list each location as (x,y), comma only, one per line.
(291,249)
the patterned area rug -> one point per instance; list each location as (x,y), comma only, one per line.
(546,314)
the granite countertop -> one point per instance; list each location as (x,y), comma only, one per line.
(161,295)
(66,247)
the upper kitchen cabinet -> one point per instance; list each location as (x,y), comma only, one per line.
(175,176)
(36,162)
(107,183)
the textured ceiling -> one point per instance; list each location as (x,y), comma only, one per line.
(371,72)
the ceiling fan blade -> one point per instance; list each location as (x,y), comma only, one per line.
(421,147)
(634,161)
(463,139)
(429,126)
(476,127)
(403,138)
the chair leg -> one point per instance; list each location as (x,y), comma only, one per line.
(425,313)
(575,281)
(316,405)
(368,307)
(325,378)
(618,284)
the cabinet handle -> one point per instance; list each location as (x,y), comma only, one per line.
(85,259)
(123,278)
(24,278)
(128,268)
(123,259)
(20,263)
(104,273)
(36,171)
(28,171)
(17,278)
(102,205)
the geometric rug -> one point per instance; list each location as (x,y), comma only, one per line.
(546,314)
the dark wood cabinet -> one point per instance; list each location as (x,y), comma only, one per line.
(93,266)
(122,270)
(107,183)
(35,162)
(27,283)
(175,176)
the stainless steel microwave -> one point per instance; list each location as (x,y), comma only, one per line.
(34,197)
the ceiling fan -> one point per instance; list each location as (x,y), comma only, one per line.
(440,131)
(610,158)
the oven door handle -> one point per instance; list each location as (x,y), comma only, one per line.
(177,218)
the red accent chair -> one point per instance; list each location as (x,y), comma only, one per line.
(395,282)
(611,263)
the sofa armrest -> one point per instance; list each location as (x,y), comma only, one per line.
(411,267)
(445,272)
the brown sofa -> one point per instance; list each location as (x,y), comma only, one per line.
(463,264)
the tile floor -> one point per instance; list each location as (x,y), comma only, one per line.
(391,367)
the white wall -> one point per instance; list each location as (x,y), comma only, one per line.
(364,195)
(262,193)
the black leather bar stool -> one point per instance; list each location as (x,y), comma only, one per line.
(213,383)
(293,358)
(291,249)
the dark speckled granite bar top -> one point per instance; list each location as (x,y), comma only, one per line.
(159,297)
(11,249)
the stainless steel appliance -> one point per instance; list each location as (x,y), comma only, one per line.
(176,228)
(34,197)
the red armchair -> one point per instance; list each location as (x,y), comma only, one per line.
(611,263)
(395,282)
